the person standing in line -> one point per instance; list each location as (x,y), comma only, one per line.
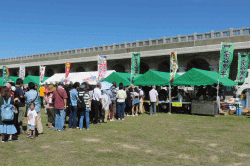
(91,112)
(42,94)
(153,95)
(6,127)
(96,103)
(135,102)
(20,105)
(32,121)
(60,105)
(73,105)
(106,101)
(83,96)
(121,97)
(129,101)
(50,106)
(32,96)
(113,100)
(142,95)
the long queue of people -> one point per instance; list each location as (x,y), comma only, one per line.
(77,101)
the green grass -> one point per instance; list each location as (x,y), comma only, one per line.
(175,139)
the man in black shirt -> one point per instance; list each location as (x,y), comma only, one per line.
(20,105)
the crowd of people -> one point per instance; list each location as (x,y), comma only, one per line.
(83,104)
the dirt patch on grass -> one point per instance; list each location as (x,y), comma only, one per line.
(213,145)
(214,158)
(242,155)
(236,164)
(45,147)
(130,146)
(199,141)
(91,140)
(104,150)
(184,156)
(148,151)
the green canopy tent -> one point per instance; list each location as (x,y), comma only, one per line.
(154,78)
(119,77)
(10,79)
(202,77)
(34,79)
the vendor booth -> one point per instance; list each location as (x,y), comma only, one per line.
(156,78)
(34,79)
(119,77)
(152,77)
(90,77)
(10,79)
(198,77)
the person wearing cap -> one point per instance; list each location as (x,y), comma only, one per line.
(50,106)
(73,105)
(142,95)
(96,102)
(60,105)
(83,91)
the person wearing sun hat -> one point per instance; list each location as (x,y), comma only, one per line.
(50,106)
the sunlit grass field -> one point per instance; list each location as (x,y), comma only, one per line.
(165,139)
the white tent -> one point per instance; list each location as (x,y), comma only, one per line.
(90,77)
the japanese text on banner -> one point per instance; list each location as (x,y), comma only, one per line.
(102,67)
(67,70)
(242,66)
(174,65)
(22,71)
(42,71)
(135,65)
(226,59)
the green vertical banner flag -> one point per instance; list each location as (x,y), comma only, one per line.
(135,65)
(226,58)
(242,66)
(5,77)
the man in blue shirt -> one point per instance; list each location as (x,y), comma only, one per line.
(73,105)
(32,96)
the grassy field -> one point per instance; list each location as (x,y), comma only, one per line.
(165,139)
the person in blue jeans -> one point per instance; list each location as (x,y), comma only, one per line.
(121,96)
(83,96)
(60,104)
(73,105)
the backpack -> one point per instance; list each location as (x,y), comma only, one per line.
(7,111)
(80,101)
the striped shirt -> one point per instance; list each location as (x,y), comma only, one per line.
(85,97)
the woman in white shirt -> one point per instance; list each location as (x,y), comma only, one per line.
(121,96)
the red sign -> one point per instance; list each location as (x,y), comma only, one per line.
(67,70)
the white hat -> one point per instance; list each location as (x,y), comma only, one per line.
(13,88)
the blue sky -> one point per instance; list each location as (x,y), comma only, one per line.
(31,27)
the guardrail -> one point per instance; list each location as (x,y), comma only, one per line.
(165,40)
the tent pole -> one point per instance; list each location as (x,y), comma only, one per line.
(170,98)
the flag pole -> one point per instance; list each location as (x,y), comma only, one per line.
(131,70)
(40,76)
(219,76)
